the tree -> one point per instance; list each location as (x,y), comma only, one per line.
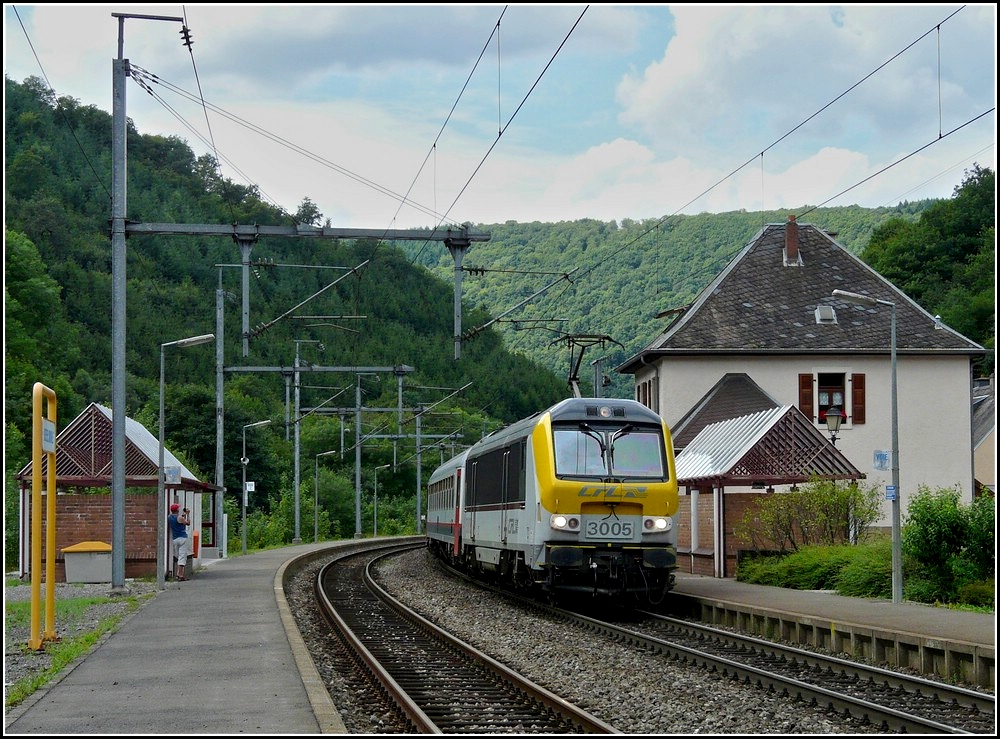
(946,260)
(308,214)
(825,512)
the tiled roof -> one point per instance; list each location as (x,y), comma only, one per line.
(765,302)
(734,395)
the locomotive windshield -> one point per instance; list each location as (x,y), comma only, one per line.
(623,451)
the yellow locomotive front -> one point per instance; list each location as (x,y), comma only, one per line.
(607,489)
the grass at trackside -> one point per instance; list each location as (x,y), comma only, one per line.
(63,651)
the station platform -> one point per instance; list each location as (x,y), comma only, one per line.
(218,654)
(936,641)
(221,654)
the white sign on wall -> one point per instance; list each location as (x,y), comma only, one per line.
(882,460)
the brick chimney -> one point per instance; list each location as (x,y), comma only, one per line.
(792,241)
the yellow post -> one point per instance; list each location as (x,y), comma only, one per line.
(43,442)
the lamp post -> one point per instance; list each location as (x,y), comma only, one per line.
(161,504)
(375,505)
(834,417)
(897,552)
(316,494)
(245,461)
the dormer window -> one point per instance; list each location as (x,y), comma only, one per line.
(825,314)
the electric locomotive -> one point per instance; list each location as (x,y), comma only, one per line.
(578,498)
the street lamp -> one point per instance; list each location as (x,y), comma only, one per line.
(316,495)
(834,417)
(342,430)
(245,461)
(897,551)
(375,506)
(161,504)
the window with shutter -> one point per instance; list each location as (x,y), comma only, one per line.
(857,398)
(831,391)
(806,395)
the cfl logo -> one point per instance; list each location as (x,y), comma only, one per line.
(611,491)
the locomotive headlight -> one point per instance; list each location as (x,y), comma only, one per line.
(564,523)
(656,524)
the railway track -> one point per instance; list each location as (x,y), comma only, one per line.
(898,700)
(437,683)
(892,702)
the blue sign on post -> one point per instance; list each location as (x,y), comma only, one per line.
(890,492)
(48,436)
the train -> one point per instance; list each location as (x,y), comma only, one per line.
(577,499)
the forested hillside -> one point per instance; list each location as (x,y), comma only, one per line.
(525,291)
(613,279)
(58,311)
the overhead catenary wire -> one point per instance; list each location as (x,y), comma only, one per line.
(621,248)
(604,259)
(48,85)
(189,44)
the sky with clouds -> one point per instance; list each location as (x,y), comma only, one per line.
(406,116)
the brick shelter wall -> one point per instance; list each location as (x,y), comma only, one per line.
(87,517)
(702,560)
(683,521)
(737,505)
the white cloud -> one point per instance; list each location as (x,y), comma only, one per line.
(642,112)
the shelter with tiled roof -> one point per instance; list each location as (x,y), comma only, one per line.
(83,485)
(737,437)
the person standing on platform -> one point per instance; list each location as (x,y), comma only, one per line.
(179,538)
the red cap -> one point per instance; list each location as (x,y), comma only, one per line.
(174,508)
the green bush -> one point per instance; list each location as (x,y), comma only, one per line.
(822,512)
(946,545)
(919,588)
(980,540)
(811,568)
(947,549)
(978,594)
(761,570)
(868,574)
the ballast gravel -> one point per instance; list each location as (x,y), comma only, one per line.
(636,693)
